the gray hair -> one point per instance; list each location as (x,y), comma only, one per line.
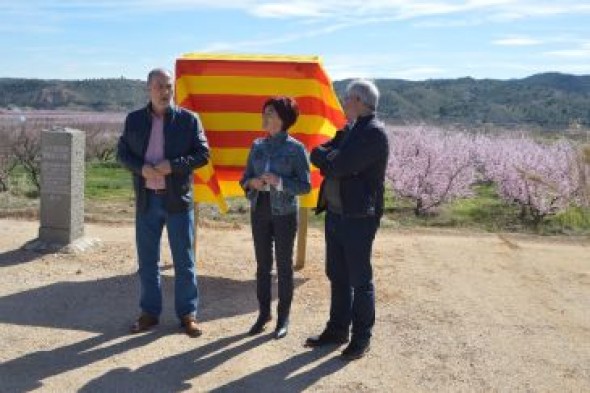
(157,71)
(366,91)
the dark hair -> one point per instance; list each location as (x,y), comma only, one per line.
(286,108)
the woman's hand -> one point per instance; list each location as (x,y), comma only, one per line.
(256,183)
(271,178)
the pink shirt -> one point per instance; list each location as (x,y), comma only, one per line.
(155,151)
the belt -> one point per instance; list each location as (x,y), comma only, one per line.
(157,192)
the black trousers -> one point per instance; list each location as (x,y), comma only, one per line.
(349,243)
(280,231)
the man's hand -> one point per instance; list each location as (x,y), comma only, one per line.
(149,172)
(271,178)
(163,168)
(256,184)
(332,154)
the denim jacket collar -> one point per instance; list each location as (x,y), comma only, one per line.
(278,138)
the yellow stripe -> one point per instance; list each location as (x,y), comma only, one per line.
(231,189)
(235,157)
(240,85)
(306,124)
(232,157)
(251,57)
(205,173)
(203,194)
(309,200)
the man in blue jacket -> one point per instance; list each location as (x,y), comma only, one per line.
(162,145)
(353,164)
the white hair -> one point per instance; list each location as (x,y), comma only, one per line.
(157,71)
(366,91)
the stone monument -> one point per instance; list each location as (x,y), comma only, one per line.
(62,191)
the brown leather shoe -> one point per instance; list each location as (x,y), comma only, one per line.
(144,322)
(191,328)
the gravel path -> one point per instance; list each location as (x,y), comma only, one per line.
(457,311)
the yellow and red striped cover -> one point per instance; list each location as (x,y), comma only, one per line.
(228,91)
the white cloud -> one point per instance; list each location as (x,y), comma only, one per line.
(262,43)
(450,23)
(507,9)
(521,10)
(581,51)
(379,66)
(398,9)
(289,10)
(419,73)
(517,41)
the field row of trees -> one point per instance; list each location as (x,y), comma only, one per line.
(432,167)
(428,166)
(21,143)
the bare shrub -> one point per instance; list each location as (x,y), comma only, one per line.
(583,163)
(7,159)
(101,142)
(26,150)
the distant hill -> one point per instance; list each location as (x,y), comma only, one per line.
(549,100)
(89,94)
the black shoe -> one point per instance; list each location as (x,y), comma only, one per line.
(355,351)
(281,330)
(259,325)
(326,338)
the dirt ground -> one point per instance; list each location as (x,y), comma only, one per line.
(457,311)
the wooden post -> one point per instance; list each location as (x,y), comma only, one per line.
(301,238)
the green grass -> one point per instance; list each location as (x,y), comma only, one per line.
(107,181)
(103,181)
(575,220)
(21,185)
(109,187)
(485,211)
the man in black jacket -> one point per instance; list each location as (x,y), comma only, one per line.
(353,164)
(162,145)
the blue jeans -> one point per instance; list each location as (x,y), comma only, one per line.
(148,234)
(349,242)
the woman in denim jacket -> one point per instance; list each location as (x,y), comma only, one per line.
(277,171)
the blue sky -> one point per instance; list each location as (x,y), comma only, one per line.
(417,40)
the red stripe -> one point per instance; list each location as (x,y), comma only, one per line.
(258,68)
(244,139)
(214,185)
(229,173)
(253,104)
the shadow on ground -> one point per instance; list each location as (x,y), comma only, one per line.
(19,256)
(172,373)
(107,307)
